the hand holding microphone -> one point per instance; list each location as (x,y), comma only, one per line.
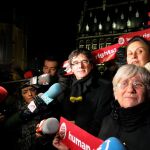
(46,130)
(51,126)
(41,101)
(48,126)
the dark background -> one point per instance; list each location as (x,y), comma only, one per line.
(51,27)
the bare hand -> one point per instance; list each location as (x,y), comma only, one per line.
(57,142)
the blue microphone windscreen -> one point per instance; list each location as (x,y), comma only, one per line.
(54,90)
(52,93)
(112,143)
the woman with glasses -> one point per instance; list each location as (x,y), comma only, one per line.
(130,117)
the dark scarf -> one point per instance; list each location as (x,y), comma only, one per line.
(133,117)
(79,87)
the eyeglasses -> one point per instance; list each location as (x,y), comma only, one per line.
(84,62)
(135,84)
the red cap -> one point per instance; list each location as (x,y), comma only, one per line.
(28,74)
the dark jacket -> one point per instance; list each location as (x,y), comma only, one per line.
(21,134)
(131,126)
(87,101)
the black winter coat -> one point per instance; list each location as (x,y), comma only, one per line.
(131,126)
(95,96)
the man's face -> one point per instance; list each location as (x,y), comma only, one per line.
(81,66)
(28,93)
(50,67)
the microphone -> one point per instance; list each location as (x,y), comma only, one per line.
(3,93)
(38,104)
(51,93)
(43,79)
(16,81)
(48,126)
(112,143)
(41,101)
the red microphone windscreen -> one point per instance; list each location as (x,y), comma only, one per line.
(28,74)
(3,93)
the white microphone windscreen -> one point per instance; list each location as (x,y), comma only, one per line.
(50,126)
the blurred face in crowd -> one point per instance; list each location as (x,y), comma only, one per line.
(138,53)
(81,66)
(130,92)
(28,93)
(50,67)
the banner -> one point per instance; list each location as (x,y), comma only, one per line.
(76,138)
(123,39)
(106,53)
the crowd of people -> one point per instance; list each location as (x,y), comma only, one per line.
(117,106)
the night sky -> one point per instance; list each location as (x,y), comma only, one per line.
(51,28)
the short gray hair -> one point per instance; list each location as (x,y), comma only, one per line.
(129,71)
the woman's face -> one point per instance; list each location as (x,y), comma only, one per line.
(81,66)
(28,93)
(130,92)
(138,54)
